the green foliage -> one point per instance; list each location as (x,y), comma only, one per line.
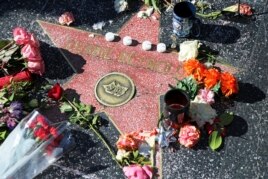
(215,140)
(226,118)
(217,87)
(3,133)
(135,158)
(189,85)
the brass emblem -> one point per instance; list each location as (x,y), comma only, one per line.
(114,89)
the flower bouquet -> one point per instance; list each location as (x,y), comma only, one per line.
(203,84)
(20,57)
(135,154)
(32,146)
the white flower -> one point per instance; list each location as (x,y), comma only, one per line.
(120,5)
(121,154)
(188,50)
(201,112)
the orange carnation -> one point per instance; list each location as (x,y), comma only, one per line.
(128,142)
(190,66)
(212,77)
(229,84)
(199,73)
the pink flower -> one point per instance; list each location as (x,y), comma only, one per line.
(21,36)
(138,172)
(66,18)
(37,67)
(31,52)
(189,135)
(206,95)
(34,41)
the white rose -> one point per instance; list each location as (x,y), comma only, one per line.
(188,50)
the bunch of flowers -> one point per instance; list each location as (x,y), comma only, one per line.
(20,57)
(30,50)
(135,152)
(202,84)
(32,146)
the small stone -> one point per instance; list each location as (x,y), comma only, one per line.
(91,35)
(109,36)
(127,40)
(146,45)
(161,47)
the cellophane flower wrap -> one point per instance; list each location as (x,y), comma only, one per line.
(32,146)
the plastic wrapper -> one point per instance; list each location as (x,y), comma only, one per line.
(32,146)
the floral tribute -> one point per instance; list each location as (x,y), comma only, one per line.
(135,154)
(38,142)
(203,84)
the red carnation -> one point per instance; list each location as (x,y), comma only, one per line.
(41,133)
(55,92)
(53,131)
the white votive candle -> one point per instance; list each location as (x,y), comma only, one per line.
(127,40)
(161,47)
(109,36)
(146,45)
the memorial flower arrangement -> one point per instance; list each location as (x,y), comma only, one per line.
(202,83)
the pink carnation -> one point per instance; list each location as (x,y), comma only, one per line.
(37,67)
(206,95)
(138,172)
(189,135)
(66,18)
(21,36)
(31,52)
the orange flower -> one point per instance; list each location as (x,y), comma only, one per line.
(128,142)
(212,76)
(190,66)
(199,73)
(229,84)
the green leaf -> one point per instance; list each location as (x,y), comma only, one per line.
(3,43)
(95,120)
(226,118)
(217,87)
(215,140)
(135,154)
(66,107)
(3,134)
(11,97)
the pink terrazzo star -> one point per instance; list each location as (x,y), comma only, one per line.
(150,71)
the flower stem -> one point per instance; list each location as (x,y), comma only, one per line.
(96,131)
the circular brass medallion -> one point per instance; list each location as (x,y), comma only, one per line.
(114,89)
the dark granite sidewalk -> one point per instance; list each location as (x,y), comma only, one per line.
(240,43)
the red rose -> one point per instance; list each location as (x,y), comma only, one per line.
(42,121)
(53,131)
(55,92)
(21,76)
(41,133)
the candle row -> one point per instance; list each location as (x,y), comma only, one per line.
(127,40)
